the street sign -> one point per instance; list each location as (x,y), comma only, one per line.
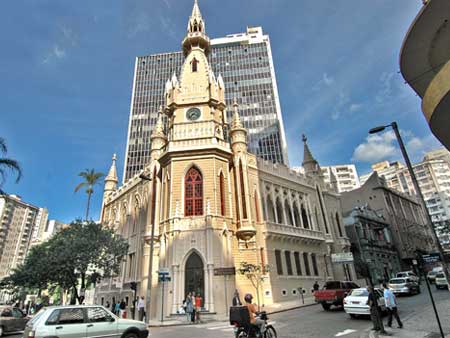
(164,278)
(342,257)
(431,258)
(164,271)
(224,271)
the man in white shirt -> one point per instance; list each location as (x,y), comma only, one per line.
(391,305)
(141,308)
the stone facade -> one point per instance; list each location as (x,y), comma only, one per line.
(204,202)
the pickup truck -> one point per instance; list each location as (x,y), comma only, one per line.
(333,293)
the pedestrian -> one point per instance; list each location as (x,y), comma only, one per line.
(141,308)
(391,305)
(189,307)
(198,306)
(316,286)
(117,309)
(373,304)
(107,304)
(123,309)
(236,299)
(194,310)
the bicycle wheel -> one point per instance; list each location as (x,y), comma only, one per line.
(270,332)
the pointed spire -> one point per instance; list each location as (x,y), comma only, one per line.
(309,162)
(236,118)
(159,127)
(196,32)
(196,11)
(111,179)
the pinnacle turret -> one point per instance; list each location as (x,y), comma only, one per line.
(196,32)
(111,179)
(310,164)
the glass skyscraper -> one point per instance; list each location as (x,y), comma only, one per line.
(245,62)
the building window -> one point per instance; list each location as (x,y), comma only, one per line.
(314,264)
(296,216)
(287,255)
(154,196)
(279,212)
(306,261)
(257,208)
(338,224)
(194,64)
(244,204)
(193,193)
(305,218)
(278,262)
(298,265)
(288,212)
(270,210)
(222,194)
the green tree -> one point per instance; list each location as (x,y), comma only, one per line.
(91,178)
(7,164)
(256,274)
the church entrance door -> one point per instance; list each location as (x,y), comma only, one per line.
(195,276)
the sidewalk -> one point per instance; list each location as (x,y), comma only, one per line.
(421,324)
(270,309)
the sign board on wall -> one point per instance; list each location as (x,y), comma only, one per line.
(342,257)
(224,271)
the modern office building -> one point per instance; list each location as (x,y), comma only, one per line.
(344,176)
(205,204)
(18,222)
(245,64)
(425,64)
(384,169)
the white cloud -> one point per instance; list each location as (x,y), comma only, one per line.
(328,80)
(56,52)
(355,107)
(385,92)
(380,147)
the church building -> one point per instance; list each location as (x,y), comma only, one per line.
(204,205)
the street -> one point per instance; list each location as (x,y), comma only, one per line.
(307,322)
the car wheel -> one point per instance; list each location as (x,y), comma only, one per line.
(326,307)
(131,335)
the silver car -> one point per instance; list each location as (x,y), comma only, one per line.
(11,319)
(404,286)
(80,321)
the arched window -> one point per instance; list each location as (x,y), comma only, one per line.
(338,224)
(306,261)
(305,218)
(222,194)
(154,196)
(298,222)
(193,193)
(270,210)
(314,264)
(136,216)
(167,197)
(287,208)
(194,64)
(316,214)
(279,207)
(244,204)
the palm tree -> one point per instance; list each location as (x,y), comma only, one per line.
(7,164)
(91,178)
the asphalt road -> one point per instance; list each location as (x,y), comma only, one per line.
(308,322)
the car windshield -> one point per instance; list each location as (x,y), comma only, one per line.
(359,293)
(37,316)
(402,274)
(332,285)
(397,281)
(440,275)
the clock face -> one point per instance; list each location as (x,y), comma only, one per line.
(193,114)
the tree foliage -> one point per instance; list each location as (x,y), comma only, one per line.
(84,252)
(7,164)
(256,274)
(91,178)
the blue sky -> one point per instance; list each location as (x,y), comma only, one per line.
(66,75)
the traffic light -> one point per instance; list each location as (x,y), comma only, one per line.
(133,286)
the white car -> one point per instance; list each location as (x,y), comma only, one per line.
(408,274)
(441,281)
(357,302)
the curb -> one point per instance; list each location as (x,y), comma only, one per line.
(292,308)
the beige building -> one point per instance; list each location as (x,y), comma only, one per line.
(386,169)
(344,176)
(212,204)
(19,220)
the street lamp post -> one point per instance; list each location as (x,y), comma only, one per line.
(416,187)
(150,265)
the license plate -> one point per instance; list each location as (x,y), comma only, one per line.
(355,302)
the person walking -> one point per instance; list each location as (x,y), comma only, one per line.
(316,286)
(123,309)
(198,306)
(141,308)
(189,307)
(193,307)
(391,305)
(107,305)
(236,299)
(373,304)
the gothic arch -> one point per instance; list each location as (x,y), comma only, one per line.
(270,210)
(338,224)
(288,210)
(279,211)
(305,217)
(298,222)
(193,192)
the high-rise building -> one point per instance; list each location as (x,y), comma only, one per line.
(245,63)
(344,176)
(384,169)
(18,222)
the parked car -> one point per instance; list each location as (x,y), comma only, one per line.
(441,281)
(357,302)
(11,319)
(80,321)
(333,293)
(404,286)
(408,274)
(431,275)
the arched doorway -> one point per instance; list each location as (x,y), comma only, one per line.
(194,278)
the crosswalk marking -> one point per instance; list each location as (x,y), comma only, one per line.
(345,332)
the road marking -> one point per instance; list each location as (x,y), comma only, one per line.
(344,333)
(220,327)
